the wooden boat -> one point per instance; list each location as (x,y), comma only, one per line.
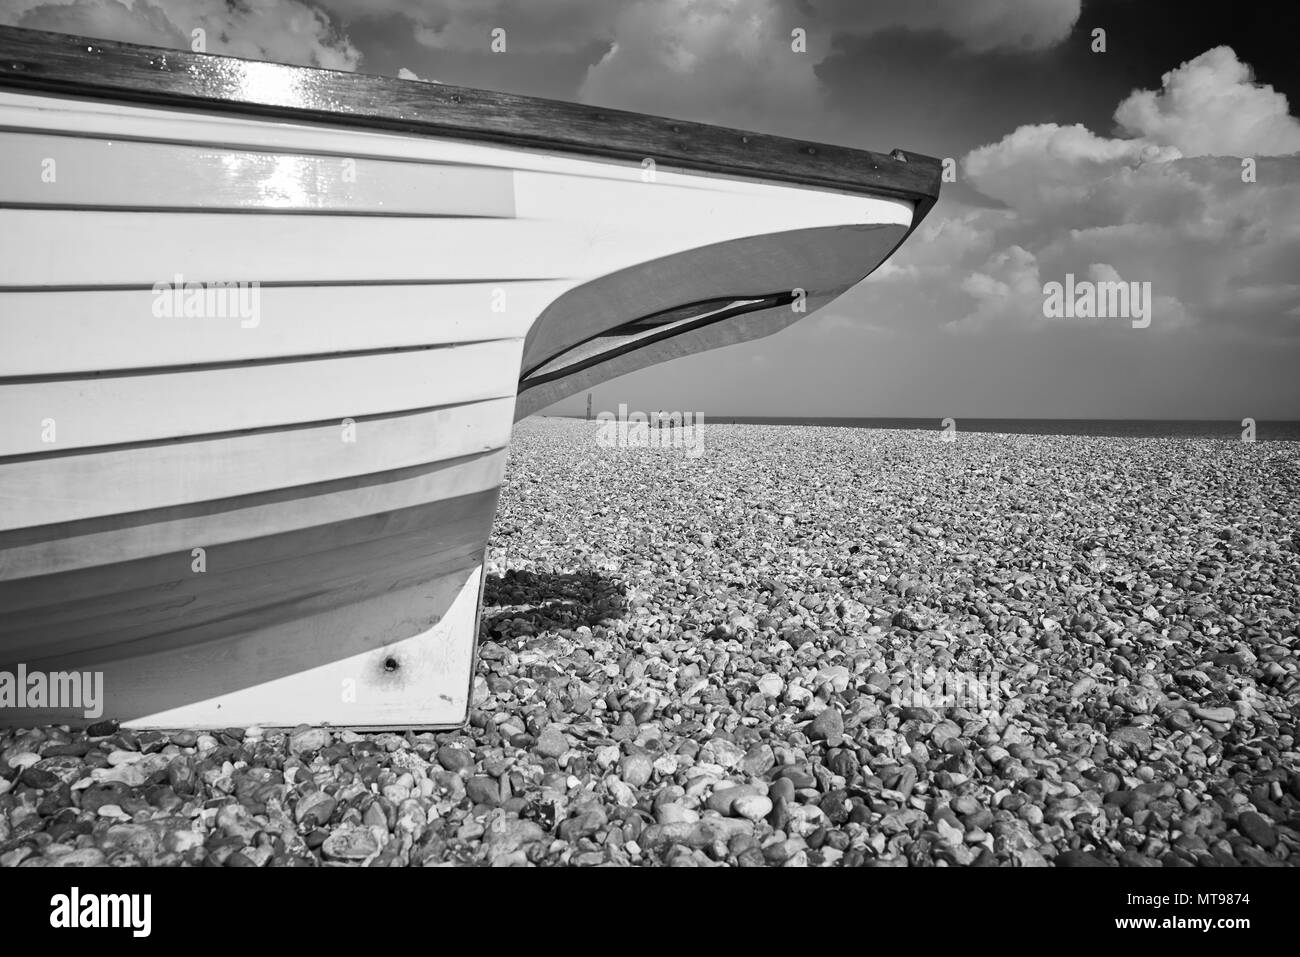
(269,503)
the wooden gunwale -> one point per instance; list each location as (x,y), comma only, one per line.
(74,66)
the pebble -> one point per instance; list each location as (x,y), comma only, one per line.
(350,844)
(722,798)
(1224,715)
(726,754)
(754,807)
(771,685)
(636,769)
(314,809)
(83,857)
(674,813)
(1258,828)
(1134,737)
(63,769)
(483,790)
(301,740)
(23,760)
(552,743)
(758,760)
(454,758)
(827,726)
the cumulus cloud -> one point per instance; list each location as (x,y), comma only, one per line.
(733,59)
(1159,204)
(288,31)
(557,25)
(404,74)
(706,60)
(1014,25)
(1212,106)
(553,26)
(1051,165)
(1005,287)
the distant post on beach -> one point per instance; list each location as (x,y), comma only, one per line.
(588,406)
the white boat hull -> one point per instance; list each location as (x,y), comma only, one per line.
(279,515)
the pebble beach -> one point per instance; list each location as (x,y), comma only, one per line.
(793,646)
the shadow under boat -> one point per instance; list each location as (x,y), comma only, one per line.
(549,600)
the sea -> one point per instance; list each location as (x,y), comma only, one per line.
(1265,431)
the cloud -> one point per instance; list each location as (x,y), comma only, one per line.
(1005,288)
(1156,204)
(707,60)
(732,60)
(1051,165)
(722,61)
(980,25)
(553,26)
(289,31)
(405,74)
(561,25)
(956,237)
(1212,106)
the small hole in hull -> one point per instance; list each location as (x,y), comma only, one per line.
(390,664)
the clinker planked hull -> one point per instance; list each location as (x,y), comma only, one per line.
(259,365)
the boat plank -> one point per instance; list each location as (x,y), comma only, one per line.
(323,516)
(67,488)
(59,415)
(170,535)
(101,173)
(243,590)
(56,333)
(118,248)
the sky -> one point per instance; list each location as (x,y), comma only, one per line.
(1123,163)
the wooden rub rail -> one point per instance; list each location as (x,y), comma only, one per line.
(100,69)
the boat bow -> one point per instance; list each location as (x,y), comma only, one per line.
(266,329)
